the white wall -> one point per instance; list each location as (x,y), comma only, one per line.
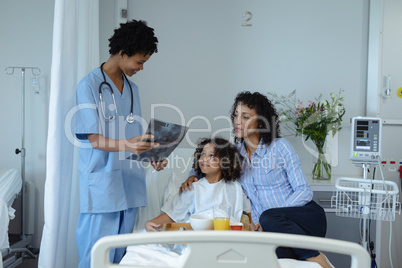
(391,109)
(26,40)
(206,57)
(106,26)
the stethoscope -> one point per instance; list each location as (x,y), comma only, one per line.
(130,117)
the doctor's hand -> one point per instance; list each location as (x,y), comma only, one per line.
(140,144)
(188,184)
(160,165)
(152,227)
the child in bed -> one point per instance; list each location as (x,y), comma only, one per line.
(218,161)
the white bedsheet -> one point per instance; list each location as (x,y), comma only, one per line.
(10,186)
(164,255)
(4,225)
(154,255)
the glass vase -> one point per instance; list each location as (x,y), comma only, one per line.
(321,169)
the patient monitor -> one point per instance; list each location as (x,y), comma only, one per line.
(366,198)
(365,142)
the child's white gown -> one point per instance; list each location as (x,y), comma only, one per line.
(204,196)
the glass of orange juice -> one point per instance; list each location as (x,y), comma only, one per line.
(222,217)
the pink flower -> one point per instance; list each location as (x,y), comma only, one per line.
(299,107)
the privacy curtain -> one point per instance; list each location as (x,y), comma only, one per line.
(75,53)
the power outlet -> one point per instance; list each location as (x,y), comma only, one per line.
(390,169)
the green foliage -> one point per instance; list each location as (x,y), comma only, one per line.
(313,121)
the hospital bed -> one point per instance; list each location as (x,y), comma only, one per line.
(10,188)
(216,249)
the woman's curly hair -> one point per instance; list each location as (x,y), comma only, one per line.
(226,152)
(133,37)
(268,119)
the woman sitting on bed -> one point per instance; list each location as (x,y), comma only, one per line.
(272,177)
(218,162)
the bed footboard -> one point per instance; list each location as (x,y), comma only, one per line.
(229,249)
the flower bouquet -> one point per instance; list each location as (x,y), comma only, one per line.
(314,121)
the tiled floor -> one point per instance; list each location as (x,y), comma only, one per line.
(28,263)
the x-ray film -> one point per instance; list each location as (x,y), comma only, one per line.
(168,135)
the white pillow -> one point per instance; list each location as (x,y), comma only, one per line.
(156,183)
(173,185)
(180,165)
(164,184)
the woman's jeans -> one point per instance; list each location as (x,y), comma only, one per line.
(305,220)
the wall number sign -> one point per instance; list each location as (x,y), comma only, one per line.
(248,16)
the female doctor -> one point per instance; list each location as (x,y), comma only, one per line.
(108,124)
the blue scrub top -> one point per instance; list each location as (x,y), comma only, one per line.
(108,182)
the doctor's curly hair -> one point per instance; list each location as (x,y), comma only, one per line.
(226,152)
(133,37)
(268,119)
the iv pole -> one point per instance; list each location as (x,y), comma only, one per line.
(36,72)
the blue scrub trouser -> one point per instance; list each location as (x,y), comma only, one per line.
(305,220)
(93,226)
